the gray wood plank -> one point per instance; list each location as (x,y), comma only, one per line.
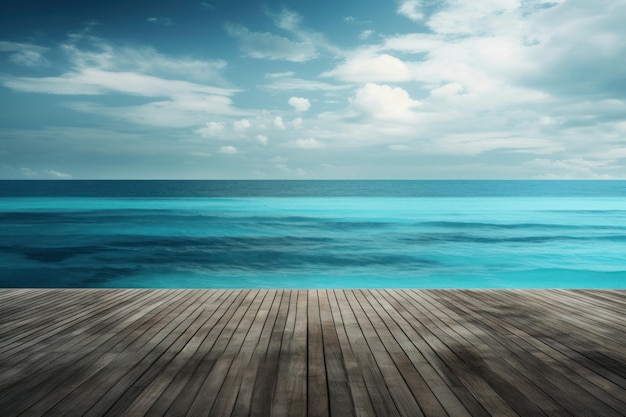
(317,384)
(319,352)
(359,399)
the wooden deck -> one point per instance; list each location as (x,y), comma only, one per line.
(312,353)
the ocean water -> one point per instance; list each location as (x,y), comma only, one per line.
(312,234)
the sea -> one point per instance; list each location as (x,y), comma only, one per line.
(313,234)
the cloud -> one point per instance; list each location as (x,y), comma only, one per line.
(290,21)
(280,74)
(242,125)
(572,168)
(296,123)
(352,19)
(299,84)
(205,5)
(58,174)
(24,54)
(307,143)
(270,46)
(511,88)
(210,130)
(411,10)
(32,59)
(164,21)
(278,122)
(415,43)
(27,172)
(134,72)
(365,68)
(476,18)
(447,91)
(47,173)
(228,150)
(300,104)
(384,102)
(6,46)
(402,148)
(578,50)
(93,81)
(92,52)
(365,35)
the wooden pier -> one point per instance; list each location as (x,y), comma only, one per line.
(97,352)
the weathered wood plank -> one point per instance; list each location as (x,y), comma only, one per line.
(379,393)
(452,352)
(244,403)
(317,394)
(221,355)
(536,354)
(358,403)
(267,377)
(312,352)
(56,380)
(181,391)
(248,337)
(340,401)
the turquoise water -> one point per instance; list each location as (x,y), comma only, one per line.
(337,234)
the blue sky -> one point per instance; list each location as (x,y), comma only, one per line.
(413,89)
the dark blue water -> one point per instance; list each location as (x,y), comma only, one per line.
(307,234)
(286,188)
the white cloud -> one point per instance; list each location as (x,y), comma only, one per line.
(27,172)
(296,123)
(174,102)
(411,10)
(91,52)
(526,87)
(299,84)
(306,143)
(573,168)
(241,125)
(31,59)
(447,91)
(401,148)
(477,142)
(25,54)
(283,74)
(416,43)
(384,102)
(205,5)
(365,68)
(365,35)
(165,21)
(300,104)
(270,46)
(210,130)
(278,122)
(178,112)
(483,17)
(547,121)
(48,173)
(93,81)
(6,46)
(290,22)
(57,174)
(228,150)
(352,19)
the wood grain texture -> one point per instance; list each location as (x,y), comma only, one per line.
(138,352)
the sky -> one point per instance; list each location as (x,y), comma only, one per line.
(313,89)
